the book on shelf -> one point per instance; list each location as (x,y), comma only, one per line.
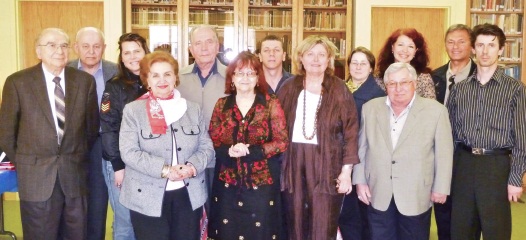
(512,50)
(497,5)
(270,18)
(270,2)
(513,71)
(325,3)
(509,23)
(320,20)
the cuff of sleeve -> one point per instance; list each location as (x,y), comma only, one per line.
(117,164)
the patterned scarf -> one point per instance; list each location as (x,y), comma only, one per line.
(156,115)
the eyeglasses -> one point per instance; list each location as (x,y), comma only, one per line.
(54,47)
(403,84)
(250,75)
(361,64)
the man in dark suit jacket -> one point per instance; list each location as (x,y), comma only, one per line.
(90,46)
(49,144)
(460,66)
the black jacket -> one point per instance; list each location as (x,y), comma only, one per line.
(117,93)
(440,79)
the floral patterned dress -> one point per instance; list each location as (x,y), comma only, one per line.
(246,200)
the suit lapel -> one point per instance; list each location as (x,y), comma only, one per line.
(382,119)
(39,88)
(410,121)
(71,94)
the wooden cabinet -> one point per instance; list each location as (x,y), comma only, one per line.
(242,24)
(509,16)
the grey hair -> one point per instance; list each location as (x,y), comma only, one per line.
(395,67)
(50,30)
(196,28)
(89,29)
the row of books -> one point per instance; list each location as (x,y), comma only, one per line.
(513,71)
(341,45)
(226,2)
(218,18)
(144,16)
(497,5)
(512,50)
(319,20)
(326,3)
(509,23)
(268,19)
(270,2)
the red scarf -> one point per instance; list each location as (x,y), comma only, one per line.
(156,115)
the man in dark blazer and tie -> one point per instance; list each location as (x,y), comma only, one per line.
(48,136)
(459,68)
(89,46)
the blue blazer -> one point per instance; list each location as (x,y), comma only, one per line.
(366,92)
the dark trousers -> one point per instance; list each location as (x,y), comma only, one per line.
(177,220)
(59,217)
(443,219)
(353,218)
(209,178)
(480,196)
(98,194)
(392,225)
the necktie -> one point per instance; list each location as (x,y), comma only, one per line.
(451,82)
(60,108)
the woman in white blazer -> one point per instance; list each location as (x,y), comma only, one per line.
(166,148)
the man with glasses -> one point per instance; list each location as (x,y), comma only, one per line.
(405,150)
(459,67)
(48,124)
(90,46)
(488,117)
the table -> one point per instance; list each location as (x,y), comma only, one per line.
(7,184)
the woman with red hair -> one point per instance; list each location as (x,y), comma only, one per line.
(409,46)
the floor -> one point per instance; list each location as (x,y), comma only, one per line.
(12,221)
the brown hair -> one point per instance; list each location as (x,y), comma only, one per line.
(245,59)
(129,37)
(156,57)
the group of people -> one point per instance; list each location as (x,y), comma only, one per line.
(249,151)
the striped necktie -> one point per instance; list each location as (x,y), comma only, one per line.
(60,108)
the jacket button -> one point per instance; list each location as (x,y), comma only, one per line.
(139,190)
(178,149)
(187,184)
(202,181)
(393,162)
(175,130)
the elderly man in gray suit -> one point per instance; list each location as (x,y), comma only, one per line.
(48,124)
(90,46)
(406,154)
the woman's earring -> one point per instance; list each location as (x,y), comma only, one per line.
(257,84)
(232,86)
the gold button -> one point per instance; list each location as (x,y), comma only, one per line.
(258,224)
(225,221)
(255,187)
(271,203)
(273,236)
(226,185)
(241,238)
(215,199)
(240,204)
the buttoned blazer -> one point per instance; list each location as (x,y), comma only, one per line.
(145,154)
(109,69)
(419,164)
(439,76)
(29,137)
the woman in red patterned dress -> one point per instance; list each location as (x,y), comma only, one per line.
(249,132)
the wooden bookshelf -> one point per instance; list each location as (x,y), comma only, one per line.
(509,16)
(242,24)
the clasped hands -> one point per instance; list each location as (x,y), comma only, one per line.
(180,172)
(238,150)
